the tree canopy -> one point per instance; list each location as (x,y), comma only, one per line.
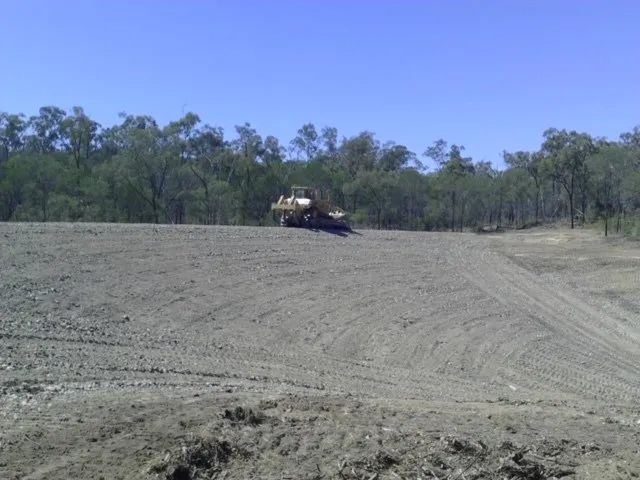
(60,165)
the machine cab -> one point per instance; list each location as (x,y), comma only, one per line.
(304,192)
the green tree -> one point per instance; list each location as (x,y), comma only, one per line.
(454,168)
(208,168)
(566,160)
(307,142)
(531,163)
(392,158)
(44,176)
(414,192)
(377,187)
(78,134)
(12,130)
(611,166)
(15,175)
(46,130)
(147,163)
(248,148)
(273,154)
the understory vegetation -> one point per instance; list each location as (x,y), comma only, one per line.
(64,166)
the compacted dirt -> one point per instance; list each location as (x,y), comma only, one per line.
(179,352)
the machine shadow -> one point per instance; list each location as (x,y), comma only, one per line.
(339,232)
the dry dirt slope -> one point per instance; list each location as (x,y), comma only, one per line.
(92,314)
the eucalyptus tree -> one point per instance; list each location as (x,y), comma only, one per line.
(631,140)
(210,166)
(566,160)
(44,176)
(147,162)
(531,163)
(306,142)
(15,176)
(12,130)
(46,130)
(393,157)
(604,177)
(248,149)
(453,172)
(78,135)
(356,154)
(329,140)
(414,194)
(376,188)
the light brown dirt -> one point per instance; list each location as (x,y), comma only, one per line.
(364,354)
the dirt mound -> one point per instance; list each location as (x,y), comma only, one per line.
(246,416)
(306,442)
(197,458)
(368,466)
(202,458)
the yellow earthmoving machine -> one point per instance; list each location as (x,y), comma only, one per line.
(307,208)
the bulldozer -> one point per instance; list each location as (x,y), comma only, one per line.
(306,208)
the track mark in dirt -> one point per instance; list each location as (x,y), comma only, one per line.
(388,317)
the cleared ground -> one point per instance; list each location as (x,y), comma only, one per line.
(394,354)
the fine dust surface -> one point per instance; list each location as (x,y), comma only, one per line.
(136,351)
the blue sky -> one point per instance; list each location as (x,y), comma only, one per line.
(491,75)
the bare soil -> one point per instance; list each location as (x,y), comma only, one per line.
(179,352)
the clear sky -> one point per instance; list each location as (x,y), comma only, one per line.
(491,75)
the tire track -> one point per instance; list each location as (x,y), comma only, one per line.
(584,354)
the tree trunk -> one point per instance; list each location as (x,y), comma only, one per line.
(154,207)
(453,211)
(207,205)
(571,191)
(44,205)
(571,214)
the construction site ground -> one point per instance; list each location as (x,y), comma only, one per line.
(141,351)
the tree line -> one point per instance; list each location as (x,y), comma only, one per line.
(65,166)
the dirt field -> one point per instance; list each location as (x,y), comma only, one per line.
(219,352)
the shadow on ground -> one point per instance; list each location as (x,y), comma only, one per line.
(339,232)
